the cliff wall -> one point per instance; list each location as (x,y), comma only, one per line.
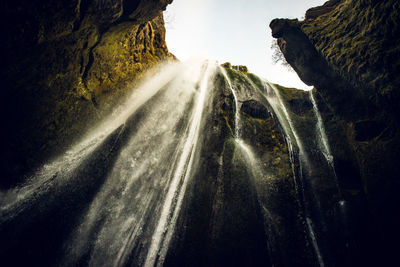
(348,50)
(65,63)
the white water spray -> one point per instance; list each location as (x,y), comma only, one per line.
(325,148)
(284,118)
(181,176)
(235,98)
(134,212)
(321,131)
(139,203)
(314,242)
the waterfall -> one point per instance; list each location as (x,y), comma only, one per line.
(276,102)
(155,138)
(321,131)
(139,184)
(182,171)
(324,140)
(235,98)
(303,175)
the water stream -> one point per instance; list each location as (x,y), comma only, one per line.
(274,100)
(119,197)
(323,140)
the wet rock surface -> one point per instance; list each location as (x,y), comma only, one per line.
(222,219)
(254,109)
(254,202)
(240,193)
(349,51)
(65,63)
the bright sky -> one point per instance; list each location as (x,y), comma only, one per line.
(233,30)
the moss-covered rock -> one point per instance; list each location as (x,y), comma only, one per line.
(351,36)
(65,64)
(272,167)
(241,68)
(227,65)
(349,51)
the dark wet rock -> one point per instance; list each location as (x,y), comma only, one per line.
(297,100)
(367,130)
(221,222)
(65,63)
(349,51)
(300,105)
(275,188)
(313,69)
(254,109)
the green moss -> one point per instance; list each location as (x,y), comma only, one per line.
(81,91)
(289,94)
(353,34)
(232,74)
(256,80)
(72,78)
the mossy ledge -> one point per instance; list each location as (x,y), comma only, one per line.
(66,63)
(349,50)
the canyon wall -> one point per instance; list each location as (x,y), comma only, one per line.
(65,63)
(348,50)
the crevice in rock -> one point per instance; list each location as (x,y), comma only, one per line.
(83,7)
(87,68)
(129,7)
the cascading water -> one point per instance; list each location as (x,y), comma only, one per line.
(252,162)
(308,194)
(275,100)
(311,198)
(235,98)
(323,140)
(321,130)
(144,187)
(159,182)
(183,170)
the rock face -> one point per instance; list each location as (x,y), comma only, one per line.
(254,109)
(240,194)
(315,12)
(349,51)
(65,63)
(226,204)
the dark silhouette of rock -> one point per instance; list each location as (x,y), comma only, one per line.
(349,51)
(65,63)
